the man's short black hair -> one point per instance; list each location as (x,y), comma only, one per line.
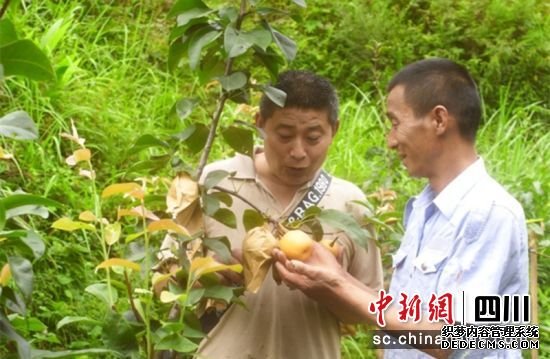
(432,82)
(304,90)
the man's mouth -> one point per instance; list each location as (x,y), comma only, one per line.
(296,169)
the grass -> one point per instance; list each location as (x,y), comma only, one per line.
(111,62)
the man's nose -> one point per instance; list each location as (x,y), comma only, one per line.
(391,140)
(298,151)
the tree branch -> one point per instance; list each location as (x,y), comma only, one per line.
(129,291)
(4,8)
(237,195)
(221,102)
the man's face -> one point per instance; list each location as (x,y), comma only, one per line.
(296,143)
(413,138)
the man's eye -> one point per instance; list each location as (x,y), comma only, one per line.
(314,139)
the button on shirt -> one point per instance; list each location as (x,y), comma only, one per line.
(468,240)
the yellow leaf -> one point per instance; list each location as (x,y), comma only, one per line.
(134,236)
(204,265)
(87,216)
(122,212)
(159,277)
(169,297)
(67,224)
(139,211)
(4,155)
(82,154)
(5,275)
(131,189)
(167,225)
(112,233)
(119,262)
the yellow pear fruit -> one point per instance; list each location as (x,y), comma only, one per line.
(296,244)
(332,246)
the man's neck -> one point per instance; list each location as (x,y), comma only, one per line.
(451,164)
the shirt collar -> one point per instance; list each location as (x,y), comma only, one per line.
(244,166)
(447,201)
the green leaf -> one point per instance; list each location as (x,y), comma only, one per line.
(23,57)
(120,332)
(345,222)
(226,216)
(21,270)
(30,324)
(259,37)
(175,53)
(55,33)
(147,141)
(13,301)
(189,332)
(233,44)
(198,41)
(234,81)
(195,295)
(194,137)
(95,352)
(270,59)
(18,200)
(182,6)
(252,218)
(240,96)
(301,3)
(71,320)
(266,11)
(34,242)
(214,178)
(185,17)
(276,95)
(101,291)
(210,204)
(23,347)
(223,197)
(2,216)
(212,66)
(220,246)
(219,292)
(25,210)
(185,106)
(7,32)
(19,126)
(286,44)
(229,15)
(177,343)
(240,139)
(238,42)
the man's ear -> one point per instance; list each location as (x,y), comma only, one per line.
(441,119)
(259,120)
(335,127)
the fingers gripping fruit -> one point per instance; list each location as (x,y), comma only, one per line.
(296,244)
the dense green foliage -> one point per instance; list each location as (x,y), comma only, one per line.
(112,74)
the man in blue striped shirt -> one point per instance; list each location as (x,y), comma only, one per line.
(465,235)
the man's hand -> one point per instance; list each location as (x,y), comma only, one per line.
(319,274)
